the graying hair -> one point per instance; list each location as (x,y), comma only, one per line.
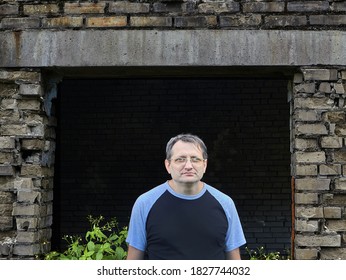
(187,138)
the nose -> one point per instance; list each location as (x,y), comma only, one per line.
(188,163)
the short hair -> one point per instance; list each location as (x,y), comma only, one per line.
(187,138)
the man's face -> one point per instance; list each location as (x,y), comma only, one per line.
(186,165)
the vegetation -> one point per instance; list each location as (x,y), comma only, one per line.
(261,254)
(104,241)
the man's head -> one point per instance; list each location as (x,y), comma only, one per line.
(186,159)
(187,138)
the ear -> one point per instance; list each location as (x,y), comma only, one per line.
(205,165)
(167,165)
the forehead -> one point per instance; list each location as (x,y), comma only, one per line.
(186,148)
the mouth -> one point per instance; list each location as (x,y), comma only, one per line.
(188,174)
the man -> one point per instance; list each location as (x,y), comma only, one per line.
(185,218)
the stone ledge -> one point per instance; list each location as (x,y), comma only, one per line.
(73,48)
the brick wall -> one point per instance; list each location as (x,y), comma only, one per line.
(27,144)
(177,14)
(318,163)
(112,139)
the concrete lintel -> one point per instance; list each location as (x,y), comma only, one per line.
(88,48)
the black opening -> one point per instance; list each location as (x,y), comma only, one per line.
(111,141)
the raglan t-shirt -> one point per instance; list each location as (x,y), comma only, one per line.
(172,226)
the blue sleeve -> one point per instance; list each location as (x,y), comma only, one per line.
(235,235)
(137,236)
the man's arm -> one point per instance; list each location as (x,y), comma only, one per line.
(233,255)
(134,254)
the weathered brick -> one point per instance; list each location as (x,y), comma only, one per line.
(40,9)
(7,142)
(340,130)
(29,197)
(65,21)
(340,184)
(327,20)
(334,117)
(340,156)
(29,104)
(8,104)
(332,212)
(6,223)
(344,170)
(84,8)
(152,21)
(196,21)
(215,7)
(310,157)
(325,87)
(30,90)
(25,210)
(6,158)
(306,115)
(20,23)
(9,9)
(336,225)
(23,184)
(306,226)
(305,88)
(307,6)
(169,7)
(306,198)
(310,129)
(312,184)
(333,254)
(128,7)
(305,144)
(306,254)
(309,212)
(118,21)
(318,240)
(338,6)
(6,170)
(26,76)
(26,223)
(32,144)
(322,103)
(339,88)
(306,170)
(8,90)
(27,237)
(330,169)
(320,74)
(6,197)
(26,250)
(31,170)
(283,20)
(331,142)
(240,20)
(263,7)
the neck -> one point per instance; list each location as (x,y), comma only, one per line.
(186,188)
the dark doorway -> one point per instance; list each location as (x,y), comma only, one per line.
(111,140)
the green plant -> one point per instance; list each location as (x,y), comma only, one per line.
(102,242)
(261,254)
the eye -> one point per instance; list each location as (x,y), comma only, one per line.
(196,160)
(180,160)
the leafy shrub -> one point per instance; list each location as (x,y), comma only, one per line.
(101,242)
(261,254)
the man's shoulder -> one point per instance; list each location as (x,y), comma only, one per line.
(152,194)
(219,195)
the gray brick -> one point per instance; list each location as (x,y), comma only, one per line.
(20,23)
(308,6)
(312,184)
(318,240)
